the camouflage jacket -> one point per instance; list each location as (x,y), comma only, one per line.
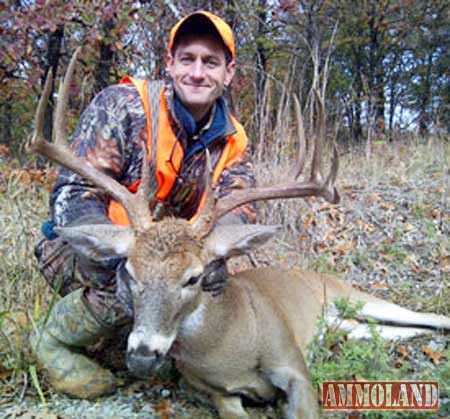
(109,135)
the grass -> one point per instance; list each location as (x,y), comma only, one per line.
(334,357)
(388,236)
(23,295)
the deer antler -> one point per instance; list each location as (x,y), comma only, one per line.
(136,205)
(315,186)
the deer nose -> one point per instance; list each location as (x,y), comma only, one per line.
(141,361)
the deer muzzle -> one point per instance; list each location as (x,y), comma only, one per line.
(146,354)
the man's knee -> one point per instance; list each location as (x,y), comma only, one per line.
(57,264)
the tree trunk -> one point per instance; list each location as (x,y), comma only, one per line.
(261,62)
(424,117)
(375,69)
(6,123)
(52,61)
(105,63)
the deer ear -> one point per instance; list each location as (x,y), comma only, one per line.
(237,239)
(98,242)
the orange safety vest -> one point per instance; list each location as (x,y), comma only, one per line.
(167,166)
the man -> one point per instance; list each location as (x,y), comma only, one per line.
(179,120)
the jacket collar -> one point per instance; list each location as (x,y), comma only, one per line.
(198,136)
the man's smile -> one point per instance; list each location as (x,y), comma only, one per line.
(195,85)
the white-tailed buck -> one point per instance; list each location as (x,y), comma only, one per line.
(251,339)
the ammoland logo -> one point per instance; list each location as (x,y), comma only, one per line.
(380,395)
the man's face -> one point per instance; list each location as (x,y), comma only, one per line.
(199,72)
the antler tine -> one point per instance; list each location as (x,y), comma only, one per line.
(144,186)
(63,98)
(316,173)
(60,153)
(205,220)
(330,192)
(315,186)
(142,198)
(301,139)
(38,136)
(329,188)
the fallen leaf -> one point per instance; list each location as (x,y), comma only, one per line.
(21,319)
(435,213)
(5,373)
(379,286)
(408,227)
(387,206)
(4,150)
(373,197)
(164,409)
(445,263)
(415,265)
(303,237)
(398,363)
(23,176)
(403,351)
(344,247)
(133,388)
(310,220)
(320,247)
(435,356)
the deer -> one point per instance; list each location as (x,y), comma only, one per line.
(253,338)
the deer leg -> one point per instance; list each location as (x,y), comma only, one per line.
(357,330)
(301,400)
(384,311)
(229,407)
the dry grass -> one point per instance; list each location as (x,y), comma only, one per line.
(23,295)
(389,233)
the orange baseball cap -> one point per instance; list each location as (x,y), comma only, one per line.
(223,29)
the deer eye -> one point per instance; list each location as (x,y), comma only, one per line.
(192,281)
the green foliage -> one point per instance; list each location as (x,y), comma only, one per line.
(393,251)
(323,263)
(335,357)
(346,309)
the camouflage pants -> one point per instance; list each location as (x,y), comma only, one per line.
(65,272)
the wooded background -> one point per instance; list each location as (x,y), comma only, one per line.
(384,63)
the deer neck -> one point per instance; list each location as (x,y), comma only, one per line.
(208,314)
(213,319)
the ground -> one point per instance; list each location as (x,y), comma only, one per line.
(388,236)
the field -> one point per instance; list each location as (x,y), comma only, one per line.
(389,236)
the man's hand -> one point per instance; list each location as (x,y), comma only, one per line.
(215,277)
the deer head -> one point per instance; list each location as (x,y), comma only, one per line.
(165,259)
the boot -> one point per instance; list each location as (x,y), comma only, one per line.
(72,325)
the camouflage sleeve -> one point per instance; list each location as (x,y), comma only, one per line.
(107,136)
(240,175)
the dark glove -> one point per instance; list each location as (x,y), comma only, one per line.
(215,277)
